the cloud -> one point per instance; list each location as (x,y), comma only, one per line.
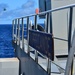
(28,4)
(26,9)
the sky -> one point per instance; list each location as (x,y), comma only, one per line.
(15,9)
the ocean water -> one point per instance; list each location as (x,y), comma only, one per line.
(6,48)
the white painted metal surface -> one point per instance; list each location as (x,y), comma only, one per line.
(9,66)
(60,21)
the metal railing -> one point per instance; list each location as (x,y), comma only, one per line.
(48,19)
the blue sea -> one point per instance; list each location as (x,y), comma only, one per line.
(6,48)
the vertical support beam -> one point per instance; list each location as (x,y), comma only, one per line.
(18,32)
(46,23)
(35,22)
(50,23)
(50,30)
(13,30)
(70,33)
(30,25)
(16,29)
(35,28)
(27,27)
(49,16)
(70,28)
(22,35)
(28,51)
(36,56)
(48,66)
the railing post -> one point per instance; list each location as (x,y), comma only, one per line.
(48,29)
(35,28)
(16,29)
(70,28)
(50,23)
(13,30)
(35,22)
(48,66)
(22,35)
(27,26)
(30,26)
(46,23)
(18,43)
(28,51)
(70,33)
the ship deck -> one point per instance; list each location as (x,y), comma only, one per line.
(57,65)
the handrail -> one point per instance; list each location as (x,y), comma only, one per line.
(56,9)
(60,39)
